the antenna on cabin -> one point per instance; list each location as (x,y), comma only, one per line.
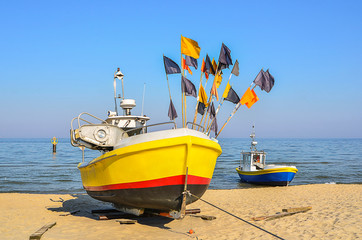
(120,76)
(253,142)
(143,97)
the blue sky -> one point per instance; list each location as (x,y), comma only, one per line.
(58,58)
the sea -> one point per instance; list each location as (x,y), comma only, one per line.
(29,165)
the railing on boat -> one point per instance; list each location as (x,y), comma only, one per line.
(195,124)
(145,128)
(73,140)
(80,119)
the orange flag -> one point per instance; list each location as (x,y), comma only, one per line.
(249,98)
(214,91)
(203,69)
(184,66)
(203,65)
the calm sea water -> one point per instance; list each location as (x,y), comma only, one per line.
(29,166)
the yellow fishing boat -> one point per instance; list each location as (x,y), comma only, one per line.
(143,169)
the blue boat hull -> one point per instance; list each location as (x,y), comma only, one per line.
(282,178)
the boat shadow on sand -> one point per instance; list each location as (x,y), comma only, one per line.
(82,205)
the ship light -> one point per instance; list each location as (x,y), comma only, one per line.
(101,133)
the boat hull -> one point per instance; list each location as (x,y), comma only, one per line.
(272,177)
(149,170)
(161,198)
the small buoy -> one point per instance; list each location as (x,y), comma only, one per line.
(191,231)
(54,142)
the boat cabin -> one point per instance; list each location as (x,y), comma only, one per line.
(252,161)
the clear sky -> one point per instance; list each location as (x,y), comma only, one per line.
(57,59)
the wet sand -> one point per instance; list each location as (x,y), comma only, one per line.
(336,214)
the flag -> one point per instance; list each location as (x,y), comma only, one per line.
(270,81)
(221,66)
(203,69)
(226,91)
(208,65)
(170,66)
(201,108)
(203,65)
(190,61)
(213,126)
(214,91)
(188,87)
(249,98)
(264,80)
(214,66)
(225,57)
(172,114)
(211,111)
(202,96)
(235,70)
(218,79)
(259,79)
(232,96)
(184,66)
(190,47)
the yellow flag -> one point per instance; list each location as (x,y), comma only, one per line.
(226,91)
(190,47)
(217,80)
(203,96)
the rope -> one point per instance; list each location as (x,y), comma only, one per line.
(236,216)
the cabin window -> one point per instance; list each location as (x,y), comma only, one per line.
(246,160)
(256,158)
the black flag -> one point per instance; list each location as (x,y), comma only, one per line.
(211,110)
(232,96)
(208,66)
(188,87)
(264,80)
(170,66)
(172,114)
(269,81)
(201,108)
(225,57)
(213,126)
(235,70)
(190,61)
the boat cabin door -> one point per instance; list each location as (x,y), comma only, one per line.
(245,162)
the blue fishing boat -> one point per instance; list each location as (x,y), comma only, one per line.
(253,168)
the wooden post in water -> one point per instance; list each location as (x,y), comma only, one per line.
(54,142)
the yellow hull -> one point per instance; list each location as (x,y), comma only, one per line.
(158,167)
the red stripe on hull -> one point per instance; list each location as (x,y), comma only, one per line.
(168,181)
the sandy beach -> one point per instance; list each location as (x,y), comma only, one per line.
(336,214)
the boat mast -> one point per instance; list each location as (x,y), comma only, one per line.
(117,75)
(253,142)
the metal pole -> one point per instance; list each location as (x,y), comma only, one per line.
(143,97)
(122,90)
(115,94)
(183,204)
